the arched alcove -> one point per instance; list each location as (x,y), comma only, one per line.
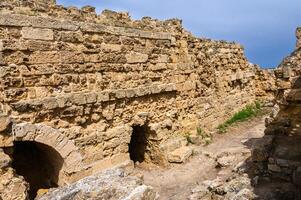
(38,163)
(56,139)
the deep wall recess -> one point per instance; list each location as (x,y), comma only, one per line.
(38,163)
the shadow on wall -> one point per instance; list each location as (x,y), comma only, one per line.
(38,163)
(275,166)
(144,146)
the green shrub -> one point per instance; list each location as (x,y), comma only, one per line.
(246,113)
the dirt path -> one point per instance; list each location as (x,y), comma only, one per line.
(177,181)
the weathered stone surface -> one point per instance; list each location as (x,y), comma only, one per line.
(12,187)
(5,121)
(236,187)
(179,155)
(261,151)
(112,184)
(134,57)
(4,160)
(37,33)
(83,83)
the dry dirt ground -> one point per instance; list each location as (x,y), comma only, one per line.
(177,181)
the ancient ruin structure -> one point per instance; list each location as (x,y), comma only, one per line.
(280,157)
(82,92)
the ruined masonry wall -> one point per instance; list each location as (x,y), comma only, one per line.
(90,78)
(280,154)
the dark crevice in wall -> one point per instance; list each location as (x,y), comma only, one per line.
(38,163)
(138,144)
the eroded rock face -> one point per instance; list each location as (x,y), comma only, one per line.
(111,185)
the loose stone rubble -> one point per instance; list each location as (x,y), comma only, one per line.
(110,185)
(84,84)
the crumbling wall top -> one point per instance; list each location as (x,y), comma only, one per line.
(298,35)
(49,8)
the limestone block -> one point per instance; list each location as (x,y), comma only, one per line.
(163,59)
(172,144)
(37,33)
(169,87)
(130,93)
(179,155)
(74,37)
(158,67)
(103,96)
(24,130)
(135,57)
(111,47)
(154,89)
(50,103)
(5,121)
(38,22)
(4,160)
(78,99)
(62,101)
(120,94)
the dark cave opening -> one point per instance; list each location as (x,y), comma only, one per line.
(138,144)
(38,163)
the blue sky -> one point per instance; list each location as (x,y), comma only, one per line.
(266,28)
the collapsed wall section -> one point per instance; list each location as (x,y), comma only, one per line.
(92,78)
(280,157)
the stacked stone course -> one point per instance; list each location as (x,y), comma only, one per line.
(79,82)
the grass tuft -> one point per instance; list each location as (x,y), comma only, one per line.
(187,136)
(248,112)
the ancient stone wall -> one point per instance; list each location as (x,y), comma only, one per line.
(280,154)
(80,82)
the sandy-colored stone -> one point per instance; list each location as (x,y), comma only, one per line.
(112,184)
(5,121)
(179,155)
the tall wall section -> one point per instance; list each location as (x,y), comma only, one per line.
(81,82)
(280,157)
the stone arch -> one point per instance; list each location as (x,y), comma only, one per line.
(54,138)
